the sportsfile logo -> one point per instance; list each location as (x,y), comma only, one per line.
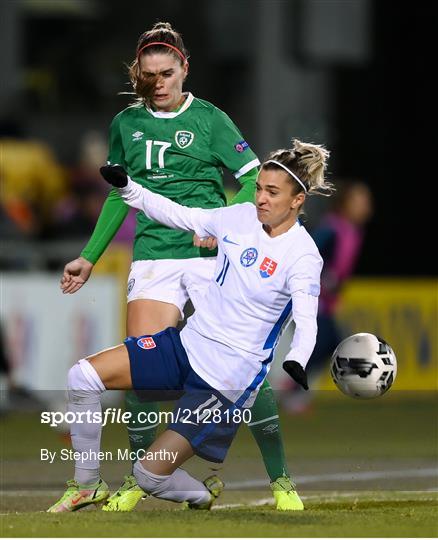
(210,411)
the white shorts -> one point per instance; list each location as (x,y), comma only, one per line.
(170,280)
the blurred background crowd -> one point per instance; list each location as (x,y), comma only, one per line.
(346,73)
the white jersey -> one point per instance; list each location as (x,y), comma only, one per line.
(260,284)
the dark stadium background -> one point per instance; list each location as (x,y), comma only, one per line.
(62,68)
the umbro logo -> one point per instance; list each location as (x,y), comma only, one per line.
(225,239)
(137,136)
(271,428)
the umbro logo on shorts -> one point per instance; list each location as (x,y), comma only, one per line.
(131,283)
(146,343)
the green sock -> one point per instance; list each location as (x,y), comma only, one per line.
(141,434)
(265,427)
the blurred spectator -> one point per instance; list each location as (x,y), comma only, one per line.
(32,184)
(339,239)
(4,374)
(77,213)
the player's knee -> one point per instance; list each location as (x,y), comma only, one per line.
(81,386)
(151,483)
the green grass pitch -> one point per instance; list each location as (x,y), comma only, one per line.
(364,469)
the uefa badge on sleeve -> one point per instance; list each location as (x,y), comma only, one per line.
(267,268)
(241,146)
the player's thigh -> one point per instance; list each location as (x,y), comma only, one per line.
(175,448)
(113,368)
(156,295)
(150,317)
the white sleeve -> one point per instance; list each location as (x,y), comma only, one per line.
(304,288)
(202,222)
(304,310)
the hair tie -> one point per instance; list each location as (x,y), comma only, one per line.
(287,170)
(180,54)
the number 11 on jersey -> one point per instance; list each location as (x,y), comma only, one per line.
(163,147)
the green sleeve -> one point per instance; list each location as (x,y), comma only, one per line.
(113,214)
(228,146)
(247,191)
(114,210)
(116,152)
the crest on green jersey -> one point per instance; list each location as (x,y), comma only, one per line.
(184,138)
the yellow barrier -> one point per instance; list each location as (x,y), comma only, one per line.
(404,313)
(117,261)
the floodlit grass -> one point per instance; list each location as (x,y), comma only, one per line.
(416,516)
(341,436)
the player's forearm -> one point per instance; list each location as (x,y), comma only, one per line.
(247,191)
(112,215)
(160,208)
(305,307)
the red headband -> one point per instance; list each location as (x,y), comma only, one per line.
(180,54)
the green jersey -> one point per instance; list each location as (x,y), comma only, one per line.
(179,155)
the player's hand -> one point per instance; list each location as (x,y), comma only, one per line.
(209,242)
(75,274)
(296,371)
(114,175)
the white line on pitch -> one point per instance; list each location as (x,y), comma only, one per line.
(308,479)
(327,497)
(352,476)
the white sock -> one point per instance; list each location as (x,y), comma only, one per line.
(177,487)
(84,389)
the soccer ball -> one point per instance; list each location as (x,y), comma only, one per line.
(363,366)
